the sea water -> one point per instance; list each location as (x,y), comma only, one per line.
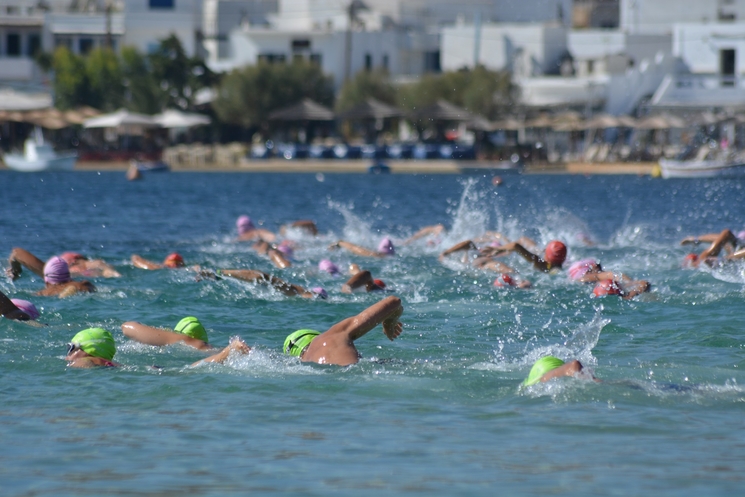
(438,411)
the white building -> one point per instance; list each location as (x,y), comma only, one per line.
(21,24)
(659,16)
(146,22)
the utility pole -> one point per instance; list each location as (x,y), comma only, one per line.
(476,38)
(109,41)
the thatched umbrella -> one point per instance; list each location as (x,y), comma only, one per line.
(371,109)
(305,110)
(442,110)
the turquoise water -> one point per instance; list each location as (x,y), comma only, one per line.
(439,410)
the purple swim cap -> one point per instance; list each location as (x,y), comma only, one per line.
(286,249)
(741,236)
(386,246)
(328,266)
(56,271)
(244,224)
(27,307)
(320,292)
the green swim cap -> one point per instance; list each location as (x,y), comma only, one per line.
(541,367)
(296,342)
(96,342)
(190,326)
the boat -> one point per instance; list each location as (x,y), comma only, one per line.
(157,166)
(379,168)
(714,168)
(39,156)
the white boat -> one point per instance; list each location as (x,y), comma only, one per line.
(716,168)
(40,156)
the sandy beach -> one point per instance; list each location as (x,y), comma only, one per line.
(396,167)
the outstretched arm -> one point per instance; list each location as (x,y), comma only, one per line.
(724,239)
(356,249)
(236,344)
(387,312)
(277,257)
(426,231)
(20,257)
(537,262)
(254,276)
(158,336)
(144,263)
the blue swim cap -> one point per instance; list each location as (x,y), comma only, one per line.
(296,342)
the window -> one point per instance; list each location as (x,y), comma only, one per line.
(271,58)
(34,44)
(385,61)
(590,66)
(13,45)
(63,41)
(85,45)
(727,66)
(300,44)
(162,4)
(432,61)
(368,62)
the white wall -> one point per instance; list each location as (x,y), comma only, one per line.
(698,45)
(658,16)
(144,26)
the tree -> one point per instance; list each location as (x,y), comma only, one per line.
(70,81)
(142,92)
(247,96)
(366,84)
(105,82)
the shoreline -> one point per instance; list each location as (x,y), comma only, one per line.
(330,166)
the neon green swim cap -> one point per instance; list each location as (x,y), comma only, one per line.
(190,326)
(96,342)
(541,367)
(296,342)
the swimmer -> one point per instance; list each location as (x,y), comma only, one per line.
(188,331)
(305,225)
(726,241)
(554,255)
(78,264)
(254,276)
(18,309)
(385,248)
(280,255)
(336,345)
(607,282)
(485,262)
(329,267)
(91,348)
(362,280)
(712,237)
(57,281)
(236,346)
(247,232)
(433,231)
(172,261)
(549,367)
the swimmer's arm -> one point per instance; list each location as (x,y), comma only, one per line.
(144,263)
(10,311)
(570,368)
(21,257)
(723,239)
(360,279)
(307,225)
(150,335)
(529,256)
(278,259)
(356,249)
(426,231)
(107,271)
(635,288)
(237,345)
(459,247)
(387,310)
(706,238)
(740,254)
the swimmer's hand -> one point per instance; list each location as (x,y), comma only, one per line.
(335,246)
(238,345)
(14,271)
(392,327)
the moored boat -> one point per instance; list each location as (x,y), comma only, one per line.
(714,168)
(40,156)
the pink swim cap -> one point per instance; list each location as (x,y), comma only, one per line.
(56,271)
(27,307)
(71,257)
(320,292)
(328,266)
(286,249)
(578,269)
(741,236)
(386,246)
(244,225)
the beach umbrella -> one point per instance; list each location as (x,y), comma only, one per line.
(661,121)
(507,124)
(371,109)
(443,110)
(171,118)
(305,110)
(120,118)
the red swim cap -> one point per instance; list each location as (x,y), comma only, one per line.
(71,257)
(556,253)
(606,287)
(174,260)
(690,260)
(504,280)
(380,283)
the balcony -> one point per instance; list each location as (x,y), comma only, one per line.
(16,69)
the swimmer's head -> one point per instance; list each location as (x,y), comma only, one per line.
(690,260)
(379,283)
(319,292)
(72,257)
(504,280)
(190,326)
(328,266)
(286,249)
(556,253)
(27,307)
(56,271)
(296,342)
(606,287)
(244,224)
(174,260)
(386,246)
(740,237)
(541,367)
(95,342)
(580,268)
